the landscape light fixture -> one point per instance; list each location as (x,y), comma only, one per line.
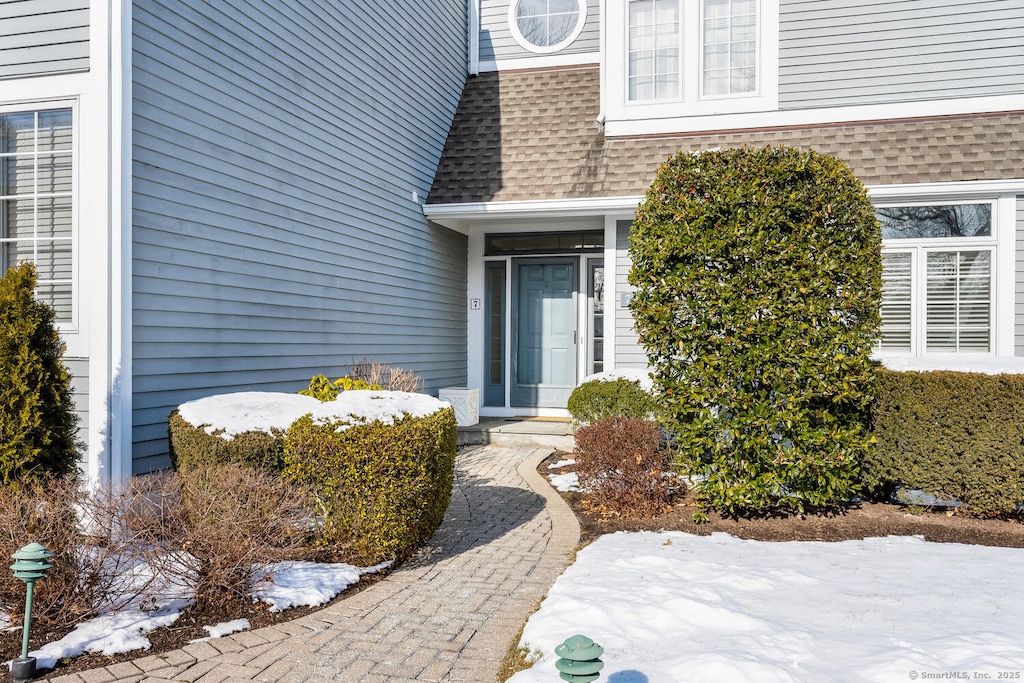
(30,565)
(579,659)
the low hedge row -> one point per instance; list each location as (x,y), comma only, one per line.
(380,484)
(956,435)
(380,489)
(192,447)
(601,398)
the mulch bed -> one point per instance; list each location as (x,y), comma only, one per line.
(857,522)
(189,626)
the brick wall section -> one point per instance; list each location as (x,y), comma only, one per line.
(531,135)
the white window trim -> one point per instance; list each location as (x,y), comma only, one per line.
(69,329)
(615,95)
(1001,243)
(513,26)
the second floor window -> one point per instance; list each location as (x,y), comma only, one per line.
(712,42)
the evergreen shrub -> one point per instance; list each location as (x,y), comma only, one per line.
(622,466)
(192,447)
(956,435)
(380,490)
(758,285)
(600,398)
(323,389)
(38,425)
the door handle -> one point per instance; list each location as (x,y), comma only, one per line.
(574,337)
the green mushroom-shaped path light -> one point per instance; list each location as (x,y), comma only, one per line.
(579,659)
(30,565)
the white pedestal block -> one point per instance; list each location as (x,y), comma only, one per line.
(466,403)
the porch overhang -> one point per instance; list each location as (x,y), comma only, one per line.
(461,216)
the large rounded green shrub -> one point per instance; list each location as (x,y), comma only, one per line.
(382,482)
(38,425)
(758,278)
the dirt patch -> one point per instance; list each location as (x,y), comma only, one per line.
(857,522)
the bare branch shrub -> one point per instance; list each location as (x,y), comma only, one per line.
(391,378)
(621,466)
(90,568)
(214,527)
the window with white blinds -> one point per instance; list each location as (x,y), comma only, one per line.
(655,50)
(724,34)
(729,45)
(36,181)
(937,279)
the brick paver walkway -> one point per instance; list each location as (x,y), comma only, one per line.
(449,614)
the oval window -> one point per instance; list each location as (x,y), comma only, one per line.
(546,25)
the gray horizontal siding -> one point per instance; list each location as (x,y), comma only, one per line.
(276,150)
(79,369)
(843,52)
(1019,289)
(628,353)
(496,41)
(40,37)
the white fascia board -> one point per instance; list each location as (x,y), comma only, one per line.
(455,216)
(541,62)
(952,189)
(460,216)
(789,118)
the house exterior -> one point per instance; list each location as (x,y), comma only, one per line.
(238,195)
(573,104)
(227,196)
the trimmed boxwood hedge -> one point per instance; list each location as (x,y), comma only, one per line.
(381,489)
(956,435)
(192,447)
(601,398)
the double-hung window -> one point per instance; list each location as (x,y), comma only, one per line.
(687,51)
(938,268)
(36,177)
(668,60)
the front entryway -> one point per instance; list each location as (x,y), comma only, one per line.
(544,331)
(542,318)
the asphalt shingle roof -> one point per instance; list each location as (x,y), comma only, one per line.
(531,135)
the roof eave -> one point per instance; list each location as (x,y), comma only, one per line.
(458,216)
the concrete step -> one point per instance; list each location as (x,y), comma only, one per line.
(519,431)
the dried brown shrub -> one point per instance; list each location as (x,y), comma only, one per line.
(622,466)
(91,567)
(213,528)
(391,378)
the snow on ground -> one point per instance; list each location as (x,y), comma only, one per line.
(561,463)
(224,628)
(671,607)
(292,584)
(228,415)
(631,374)
(308,584)
(566,482)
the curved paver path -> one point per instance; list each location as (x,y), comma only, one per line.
(449,614)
